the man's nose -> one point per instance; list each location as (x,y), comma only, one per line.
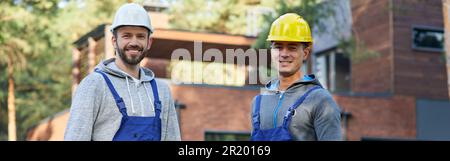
(134,41)
(283,52)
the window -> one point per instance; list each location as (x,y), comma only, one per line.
(226,136)
(187,72)
(428,39)
(332,69)
(432,121)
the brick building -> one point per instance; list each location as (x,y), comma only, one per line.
(399,88)
(401,92)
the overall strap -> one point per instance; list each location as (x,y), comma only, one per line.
(156,102)
(288,116)
(119,101)
(256,115)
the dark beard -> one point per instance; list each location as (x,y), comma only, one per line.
(130,60)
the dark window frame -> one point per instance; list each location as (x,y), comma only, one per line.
(337,53)
(428,28)
(225,132)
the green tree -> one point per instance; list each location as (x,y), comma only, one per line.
(224,16)
(356,50)
(35,55)
(230,16)
(13,52)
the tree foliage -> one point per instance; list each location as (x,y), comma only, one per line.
(37,35)
(224,16)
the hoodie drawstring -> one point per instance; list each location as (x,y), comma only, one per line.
(151,104)
(131,98)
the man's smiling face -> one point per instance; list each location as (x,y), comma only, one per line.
(132,42)
(288,57)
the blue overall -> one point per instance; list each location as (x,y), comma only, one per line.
(136,128)
(279,133)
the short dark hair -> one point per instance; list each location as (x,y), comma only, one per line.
(304,44)
(115,32)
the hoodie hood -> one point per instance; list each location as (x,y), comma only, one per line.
(109,66)
(272,85)
(317,118)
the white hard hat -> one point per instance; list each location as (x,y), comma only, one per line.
(131,14)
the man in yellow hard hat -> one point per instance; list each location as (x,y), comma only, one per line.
(294,106)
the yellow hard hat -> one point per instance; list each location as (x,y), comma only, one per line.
(290,27)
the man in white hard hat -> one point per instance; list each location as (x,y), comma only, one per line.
(122,101)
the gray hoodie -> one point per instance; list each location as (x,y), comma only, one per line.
(317,118)
(95,116)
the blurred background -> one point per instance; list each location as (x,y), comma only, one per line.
(384,61)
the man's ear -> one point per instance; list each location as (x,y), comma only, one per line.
(113,40)
(306,52)
(149,43)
